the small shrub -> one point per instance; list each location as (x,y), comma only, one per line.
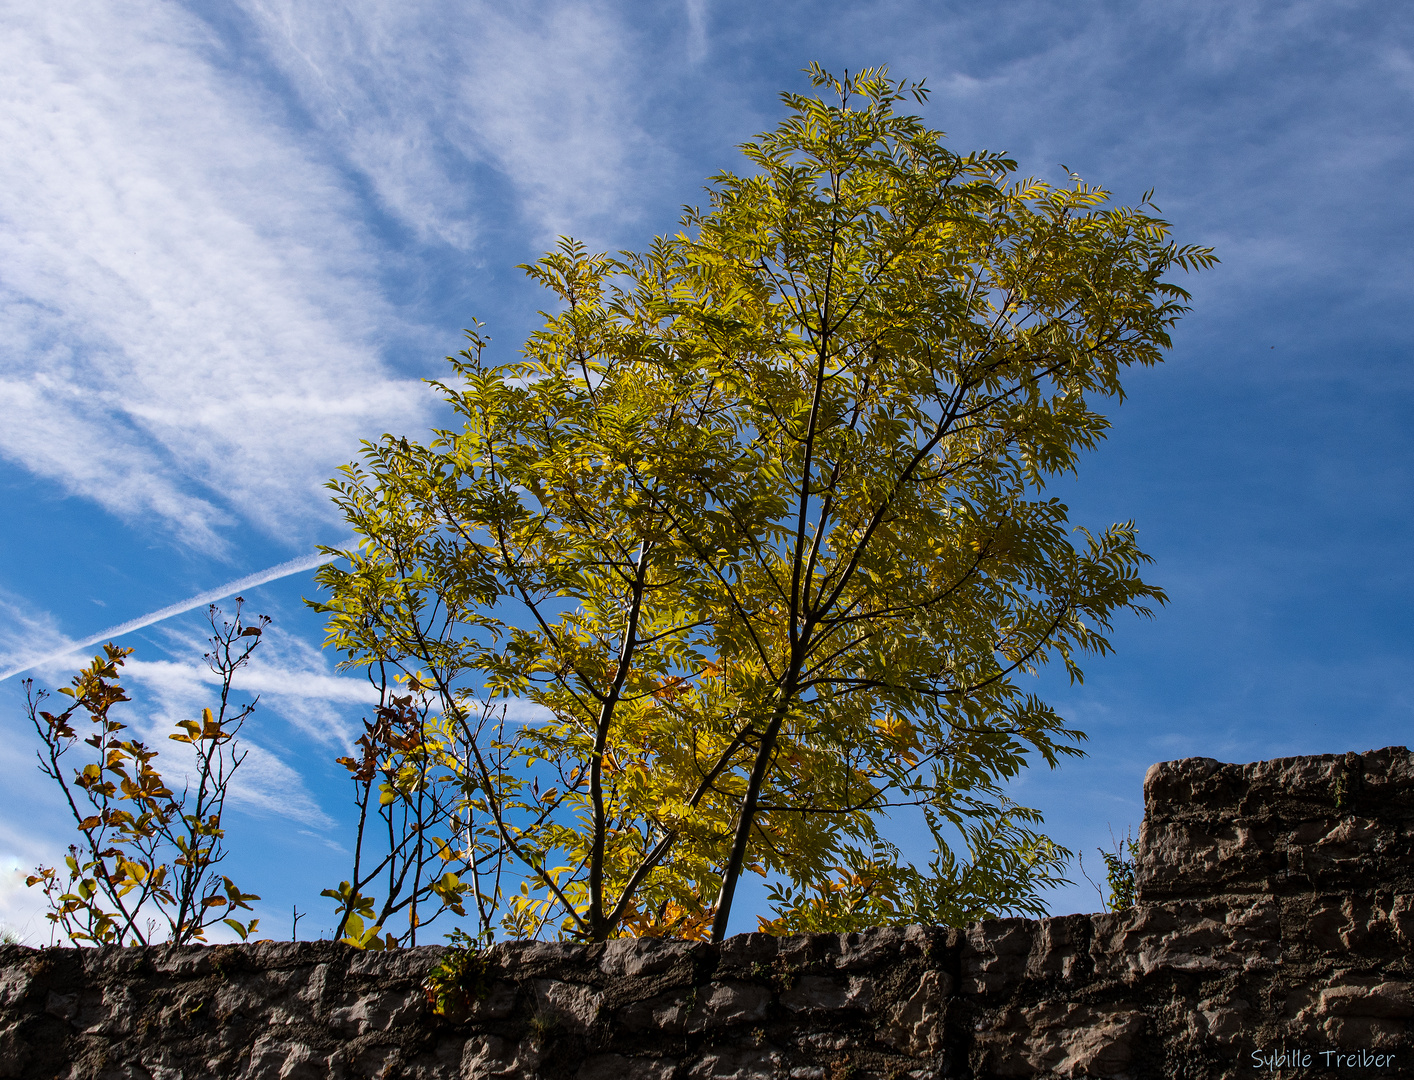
(1342,789)
(463,976)
(784,976)
(1119,873)
(144,850)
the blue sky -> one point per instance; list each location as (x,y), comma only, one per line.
(231,245)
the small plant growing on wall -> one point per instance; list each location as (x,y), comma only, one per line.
(146,859)
(463,976)
(1119,873)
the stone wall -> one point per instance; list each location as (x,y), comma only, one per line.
(1273,937)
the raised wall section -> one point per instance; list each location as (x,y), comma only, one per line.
(1274,936)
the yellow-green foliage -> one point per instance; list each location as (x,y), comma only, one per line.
(758,521)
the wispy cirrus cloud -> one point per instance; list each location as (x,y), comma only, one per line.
(697,36)
(1273,131)
(189,315)
(192,317)
(441,104)
(26,632)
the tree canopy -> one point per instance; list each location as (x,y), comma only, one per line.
(758,522)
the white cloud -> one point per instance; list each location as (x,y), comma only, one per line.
(25,632)
(421,96)
(188,308)
(697,44)
(1400,64)
(22,908)
(556,108)
(293,679)
(190,304)
(1268,129)
(47,651)
(266,784)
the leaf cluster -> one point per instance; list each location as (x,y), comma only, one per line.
(1121,887)
(147,857)
(413,837)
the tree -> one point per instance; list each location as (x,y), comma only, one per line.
(147,857)
(758,521)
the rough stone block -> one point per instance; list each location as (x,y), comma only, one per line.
(533,957)
(890,944)
(666,1012)
(643,956)
(618,1067)
(570,1004)
(14,978)
(722,1004)
(995,954)
(276,1058)
(1365,997)
(1224,1020)
(819,994)
(490,1057)
(1061,1039)
(1336,821)
(499,1002)
(1060,944)
(736,1064)
(744,950)
(915,1026)
(378,1011)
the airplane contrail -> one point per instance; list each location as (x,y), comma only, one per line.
(250,581)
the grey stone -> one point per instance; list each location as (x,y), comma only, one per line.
(915,1026)
(744,950)
(887,945)
(64,1006)
(1061,1039)
(499,1002)
(995,954)
(643,956)
(14,984)
(376,1011)
(276,1058)
(490,1057)
(666,1012)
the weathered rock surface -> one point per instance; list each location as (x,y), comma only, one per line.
(1275,920)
